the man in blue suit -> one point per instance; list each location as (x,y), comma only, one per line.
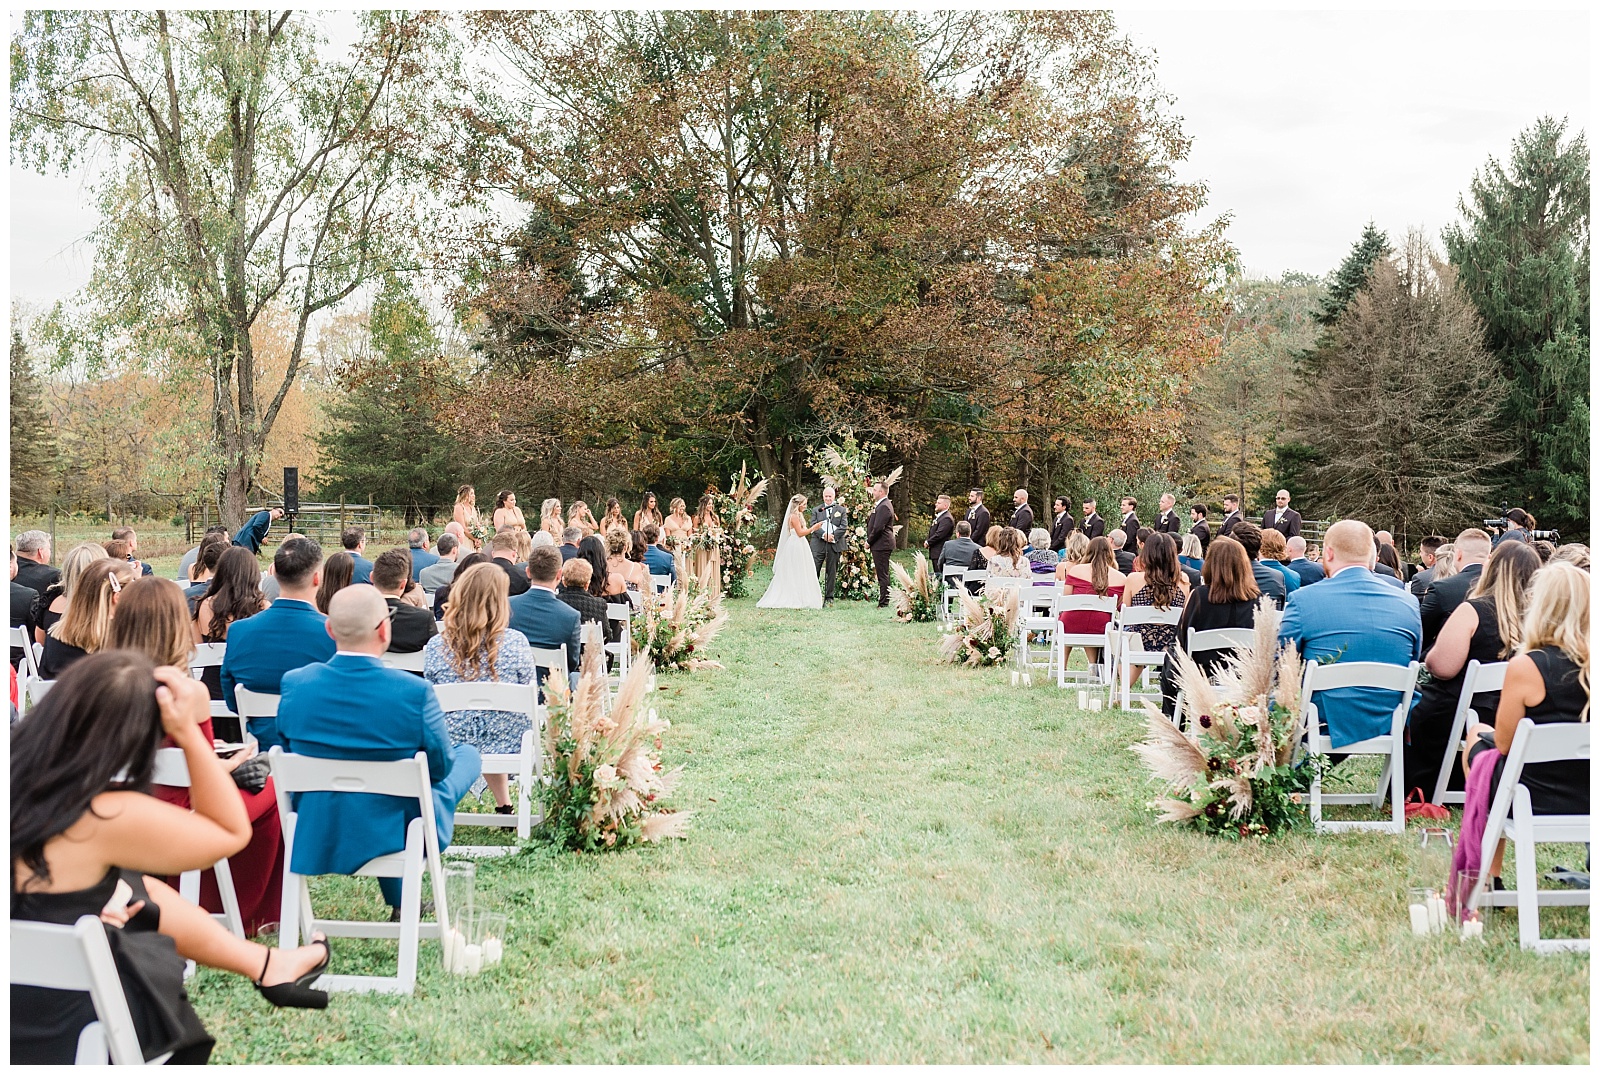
(354,540)
(544,619)
(254,532)
(1308,571)
(353,707)
(421,555)
(657,559)
(290,633)
(1353,615)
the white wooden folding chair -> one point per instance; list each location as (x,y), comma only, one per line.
(1531,745)
(405,779)
(406,662)
(27,667)
(1063,641)
(660,582)
(975,579)
(952,577)
(553,661)
(1477,679)
(1401,679)
(254,705)
(1202,642)
(77,959)
(620,653)
(1036,630)
(1131,654)
(172,769)
(206,655)
(37,689)
(526,765)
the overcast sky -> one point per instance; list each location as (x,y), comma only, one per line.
(1305,126)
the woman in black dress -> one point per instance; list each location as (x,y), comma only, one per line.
(86,838)
(82,629)
(1226,597)
(1486,628)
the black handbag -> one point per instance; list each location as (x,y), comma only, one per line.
(252,775)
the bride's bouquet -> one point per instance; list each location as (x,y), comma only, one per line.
(986,633)
(915,595)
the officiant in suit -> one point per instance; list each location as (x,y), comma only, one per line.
(1062,525)
(977,515)
(880,538)
(1284,519)
(828,540)
(940,531)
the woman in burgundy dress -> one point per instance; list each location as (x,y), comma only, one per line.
(1096,576)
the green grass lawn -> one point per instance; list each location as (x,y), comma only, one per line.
(898,861)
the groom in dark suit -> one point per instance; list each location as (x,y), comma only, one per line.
(880,538)
(827,542)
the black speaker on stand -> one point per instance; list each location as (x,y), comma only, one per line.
(291,495)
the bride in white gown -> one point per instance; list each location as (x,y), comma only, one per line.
(794,574)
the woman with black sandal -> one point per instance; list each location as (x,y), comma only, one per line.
(86,838)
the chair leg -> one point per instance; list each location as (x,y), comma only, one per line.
(1527,871)
(294,904)
(230,898)
(411,909)
(1397,805)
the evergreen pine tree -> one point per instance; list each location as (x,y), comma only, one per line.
(1348,278)
(1523,258)
(33,442)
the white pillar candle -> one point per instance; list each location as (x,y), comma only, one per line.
(1472,928)
(492,951)
(1083,699)
(474,958)
(458,952)
(1419,920)
(1436,913)
(1094,705)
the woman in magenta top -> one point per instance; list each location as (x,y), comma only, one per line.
(1095,576)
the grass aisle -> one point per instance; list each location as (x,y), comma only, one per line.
(897,861)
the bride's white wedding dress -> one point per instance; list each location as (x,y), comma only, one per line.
(794,574)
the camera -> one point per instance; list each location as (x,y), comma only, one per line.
(1499,525)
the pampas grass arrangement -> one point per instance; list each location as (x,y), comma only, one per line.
(737,508)
(603,756)
(1231,773)
(674,629)
(986,631)
(915,595)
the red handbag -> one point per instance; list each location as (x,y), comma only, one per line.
(1417,806)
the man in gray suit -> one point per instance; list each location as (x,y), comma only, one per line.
(828,540)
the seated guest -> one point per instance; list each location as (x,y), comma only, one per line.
(53,600)
(1190,554)
(288,635)
(622,574)
(961,550)
(1275,554)
(421,556)
(657,559)
(1352,616)
(74,841)
(254,531)
(1544,548)
(354,540)
(576,574)
(23,601)
(1096,576)
(82,629)
(443,569)
(1547,682)
(1009,559)
(1486,628)
(186,565)
(1076,552)
(1268,580)
(269,579)
(1444,565)
(503,549)
(153,618)
(534,541)
(1470,552)
(476,647)
(118,549)
(441,596)
(1156,583)
(205,569)
(412,626)
(233,595)
(1572,553)
(1121,556)
(1427,553)
(637,546)
(126,533)
(1309,572)
(336,575)
(544,620)
(1388,566)
(1227,597)
(353,707)
(33,561)
(570,536)
(1039,553)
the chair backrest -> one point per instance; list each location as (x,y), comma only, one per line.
(171,769)
(1537,743)
(30,664)
(1039,600)
(1388,677)
(1004,582)
(406,662)
(77,958)
(553,661)
(498,697)
(254,704)
(1066,602)
(1219,638)
(207,655)
(406,778)
(615,610)
(953,571)
(1483,678)
(38,688)
(661,582)
(1140,614)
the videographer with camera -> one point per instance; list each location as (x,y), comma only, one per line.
(1515,524)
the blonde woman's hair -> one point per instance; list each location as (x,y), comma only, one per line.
(1444,561)
(72,564)
(676,506)
(475,621)
(1505,581)
(1077,547)
(524,547)
(1191,547)
(550,511)
(1558,615)
(617,541)
(87,620)
(1573,553)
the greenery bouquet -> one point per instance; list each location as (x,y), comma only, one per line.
(916,596)
(844,466)
(605,781)
(673,629)
(986,632)
(737,509)
(1232,775)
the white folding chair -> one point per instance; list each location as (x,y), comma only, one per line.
(1035,631)
(77,958)
(553,661)
(660,582)
(406,662)
(952,577)
(37,689)
(405,779)
(1401,679)
(1131,654)
(27,668)
(526,765)
(1218,638)
(1063,641)
(254,705)
(975,578)
(1477,679)
(1533,744)
(172,769)
(622,649)
(207,655)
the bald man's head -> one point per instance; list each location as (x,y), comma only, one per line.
(1297,547)
(1348,542)
(358,619)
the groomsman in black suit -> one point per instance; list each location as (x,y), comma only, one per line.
(1130,522)
(1062,526)
(1201,529)
(941,530)
(1167,522)
(1284,519)
(1021,515)
(1230,517)
(1093,525)
(977,515)
(880,539)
